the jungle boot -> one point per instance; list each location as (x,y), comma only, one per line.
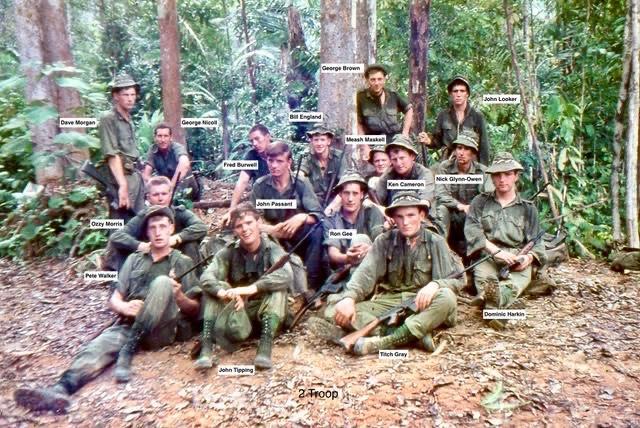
(269,323)
(427,343)
(122,372)
(206,360)
(54,398)
(371,345)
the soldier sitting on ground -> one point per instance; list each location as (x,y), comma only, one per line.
(502,223)
(237,293)
(405,262)
(154,310)
(379,158)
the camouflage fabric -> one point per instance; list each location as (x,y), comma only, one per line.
(448,128)
(418,172)
(321,180)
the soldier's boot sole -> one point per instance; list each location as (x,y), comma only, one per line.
(263,362)
(205,362)
(366,345)
(42,399)
(326,330)
(427,343)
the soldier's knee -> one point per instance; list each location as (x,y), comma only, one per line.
(161,285)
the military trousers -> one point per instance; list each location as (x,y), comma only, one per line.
(311,252)
(441,311)
(507,290)
(451,222)
(135,184)
(159,320)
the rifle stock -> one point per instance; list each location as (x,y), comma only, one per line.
(504,272)
(111,192)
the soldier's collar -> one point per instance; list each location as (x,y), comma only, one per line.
(399,239)
(374,97)
(155,149)
(518,200)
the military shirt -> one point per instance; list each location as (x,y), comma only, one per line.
(381,119)
(187,225)
(233,266)
(452,194)
(165,164)
(139,270)
(263,167)
(418,172)
(448,128)
(321,179)
(392,266)
(369,221)
(117,137)
(306,200)
(510,227)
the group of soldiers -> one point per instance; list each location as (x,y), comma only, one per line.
(344,222)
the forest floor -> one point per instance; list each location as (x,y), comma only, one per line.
(573,361)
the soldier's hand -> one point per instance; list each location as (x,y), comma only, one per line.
(239,303)
(144,247)
(425,295)
(506,257)
(345,312)
(123,198)
(132,308)
(226,218)
(523,263)
(463,208)
(424,138)
(174,240)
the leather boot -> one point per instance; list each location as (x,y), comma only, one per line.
(371,345)
(427,343)
(269,323)
(54,398)
(206,360)
(123,365)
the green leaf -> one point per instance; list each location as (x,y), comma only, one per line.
(11,83)
(81,194)
(56,202)
(562,159)
(40,114)
(73,82)
(30,231)
(78,140)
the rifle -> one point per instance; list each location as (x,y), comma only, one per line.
(119,318)
(111,192)
(539,191)
(393,315)
(504,272)
(333,180)
(332,285)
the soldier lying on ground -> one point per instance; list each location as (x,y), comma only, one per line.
(154,309)
(189,229)
(405,262)
(502,223)
(237,293)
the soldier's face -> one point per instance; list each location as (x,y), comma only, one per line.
(464,154)
(125,98)
(408,220)
(351,196)
(459,95)
(259,141)
(279,165)
(159,195)
(159,230)
(402,161)
(320,144)
(162,138)
(376,81)
(381,162)
(505,182)
(247,229)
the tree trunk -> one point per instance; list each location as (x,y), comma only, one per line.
(616,162)
(299,80)
(418,61)
(525,103)
(226,136)
(29,35)
(251,68)
(347,36)
(57,49)
(170,66)
(632,132)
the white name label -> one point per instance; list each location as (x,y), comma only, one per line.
(393,354)
(342,233)
(501,99)
(276,203)
(239,164)
(236,370)
(365,139)
(306,116)
(504,314)
(78,122)
(101,275)
(99,223)
(460,179)
(406,184)
(203,122)
(342,68)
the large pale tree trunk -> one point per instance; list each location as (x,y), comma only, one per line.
(38,89)
(632,131)
(418,61)
(616,162)
(347,36)
(299,80)
(251,67)
(170,66)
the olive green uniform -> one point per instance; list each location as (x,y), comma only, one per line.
(166,163)
(233,267)
(140,278)
(510,228)
(117,137)
(378,119)
(448,128)
(321,178)
(418,172)
(392,272)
